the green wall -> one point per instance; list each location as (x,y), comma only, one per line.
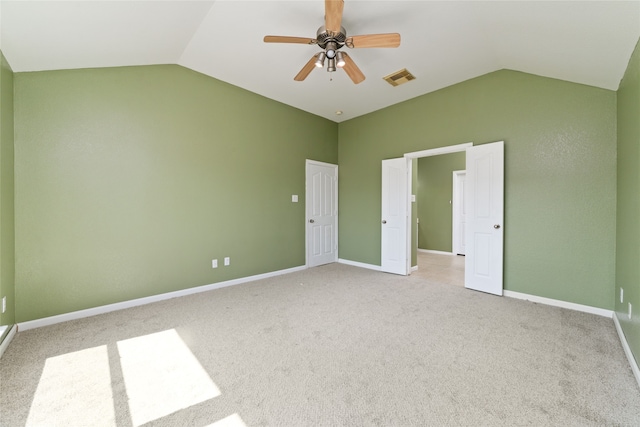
(435,191)
(7,260)
(560,175)
(129,181)
(628,212)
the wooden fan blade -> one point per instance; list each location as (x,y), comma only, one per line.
(306,70)
(285,39)
(333,15)
(352,69)
(374,40)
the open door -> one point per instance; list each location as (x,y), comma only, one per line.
(484,199)
(394,216)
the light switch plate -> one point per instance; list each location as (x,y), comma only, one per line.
(294,198)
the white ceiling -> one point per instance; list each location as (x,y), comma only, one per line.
(443,43)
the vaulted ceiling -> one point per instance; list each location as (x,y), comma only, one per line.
(443,43)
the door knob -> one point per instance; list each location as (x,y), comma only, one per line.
(384,221)
(311,221)
(496,226)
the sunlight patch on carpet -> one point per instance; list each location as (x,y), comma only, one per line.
(230,421)
(162,376)
(71,384)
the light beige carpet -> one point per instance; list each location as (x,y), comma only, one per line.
(329,346)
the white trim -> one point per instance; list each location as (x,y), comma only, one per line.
(558,303)
(52,320)
(439,150)
(414,268)
(429,251)
(7,340)
(360,264)
(315,162)
(627,349)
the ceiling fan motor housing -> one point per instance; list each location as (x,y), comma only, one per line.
(323,37)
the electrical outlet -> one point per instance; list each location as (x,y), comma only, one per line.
(621,295)
(227,260)
(630,310)
(214,263)
(4,304)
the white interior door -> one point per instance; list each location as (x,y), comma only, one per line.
(459,213)
(394,216)
(322,213)
(484,197)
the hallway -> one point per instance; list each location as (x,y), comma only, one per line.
(441,268)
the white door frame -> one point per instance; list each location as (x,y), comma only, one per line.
(307,207)
(417,155)
(456,200)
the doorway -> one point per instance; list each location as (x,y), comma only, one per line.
(484,200)
(437,202)
(438,190)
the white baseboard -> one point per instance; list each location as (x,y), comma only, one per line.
(429,251)
(360,264)
(148,300)
(414,268)
(558,303)
(627,349)
(7,340)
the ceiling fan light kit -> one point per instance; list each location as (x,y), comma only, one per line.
(320,61)
(331,37)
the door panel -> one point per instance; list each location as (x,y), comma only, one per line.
(394,216)
(484,195)
(482,245)
(322,213)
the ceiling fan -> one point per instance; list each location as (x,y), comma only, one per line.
(331,37)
